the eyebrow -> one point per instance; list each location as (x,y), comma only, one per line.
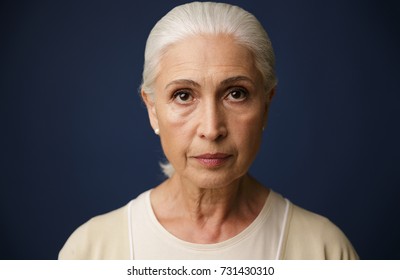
(235,79)
(183,82)
(224,83)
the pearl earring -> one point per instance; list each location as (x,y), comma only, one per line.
(157,131)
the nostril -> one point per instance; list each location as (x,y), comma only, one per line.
(213,133)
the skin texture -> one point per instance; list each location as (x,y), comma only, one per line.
(210,108)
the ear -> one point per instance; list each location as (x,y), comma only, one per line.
(151,109)
(270,95)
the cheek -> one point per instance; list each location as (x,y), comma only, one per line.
(174,123)
(248,131)
(248,124)
(175,133)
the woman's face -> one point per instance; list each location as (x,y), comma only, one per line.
(210,108)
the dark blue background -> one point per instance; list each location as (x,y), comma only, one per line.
(76,142)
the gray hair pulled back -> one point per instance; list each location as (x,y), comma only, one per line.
(198,18)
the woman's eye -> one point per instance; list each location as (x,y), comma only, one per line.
(183,97)
(237,95)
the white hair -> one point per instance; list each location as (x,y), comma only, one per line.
(207,18)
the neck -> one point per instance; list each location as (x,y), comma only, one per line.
(207,215)
(213,204)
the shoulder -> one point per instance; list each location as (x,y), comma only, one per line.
(102,237)
(312,236)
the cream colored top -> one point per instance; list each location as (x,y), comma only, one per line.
(280,231)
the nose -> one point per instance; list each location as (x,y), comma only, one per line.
(212,121)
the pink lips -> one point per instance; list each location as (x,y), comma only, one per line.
(212,160)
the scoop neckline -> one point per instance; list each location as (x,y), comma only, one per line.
(245,233)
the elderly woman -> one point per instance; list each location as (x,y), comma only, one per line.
(208,81)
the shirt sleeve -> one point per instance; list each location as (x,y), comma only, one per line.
(77,247)
(104,237)
(313,237)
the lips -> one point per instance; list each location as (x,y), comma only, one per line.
(212,160)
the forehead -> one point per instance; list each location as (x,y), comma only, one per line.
(202,56)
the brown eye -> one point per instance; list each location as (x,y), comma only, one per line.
(183,97)
(237,95)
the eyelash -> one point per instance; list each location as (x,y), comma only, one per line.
(176,95)
(243,91)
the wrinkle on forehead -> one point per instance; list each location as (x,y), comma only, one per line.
(207,58)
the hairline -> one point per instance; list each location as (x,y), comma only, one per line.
(236,39)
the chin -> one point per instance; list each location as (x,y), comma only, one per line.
(211,179)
